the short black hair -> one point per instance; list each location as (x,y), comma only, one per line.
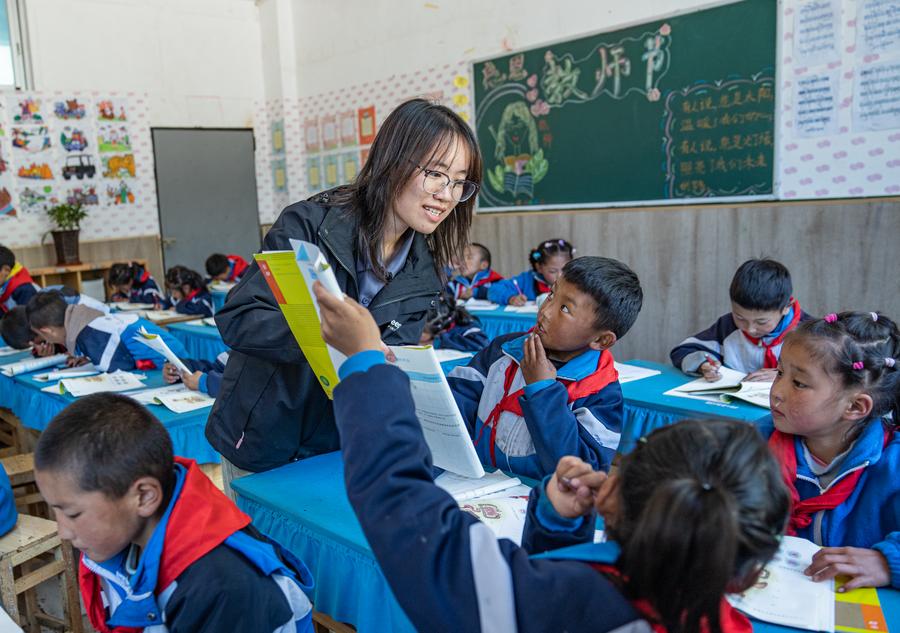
(122,273)
(761,284)
(216,264)
(613,286)
(15,329)
(178,276)
(107,442)
(485,253)
(7,257)
(47,309)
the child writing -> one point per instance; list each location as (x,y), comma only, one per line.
(749,338)
(450,326)
(835,408)
(706,493)
(132,282)
(162,549)
(228,268)
(204,375)
(547,262)
(107,340)
(16,285)
(188,291)
(532,398)
(475,275)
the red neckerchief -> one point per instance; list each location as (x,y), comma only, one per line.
(192,294)
(21,278)
(771,361)
(730,619)
(201,520)
(782,446)
(494,276)
(144,276)
(541,286)
(238,266)
(604,374)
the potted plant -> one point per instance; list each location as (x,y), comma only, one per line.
(67,218)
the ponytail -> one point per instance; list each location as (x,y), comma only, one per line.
(180,276)
(122,273)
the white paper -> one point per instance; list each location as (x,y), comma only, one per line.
(160,315)
(124,306)
(442,424)
(728,378)
(530,307)
(876,96)
(33,364)
(481,304)
(87,369)
(186,401)
(464,488)
(878,27)
(816,105)
(445,355)
(158,345)
(630,373)
(9,351)
(148,396)
(816,32)
(505,516)
(101,383)
(783,586)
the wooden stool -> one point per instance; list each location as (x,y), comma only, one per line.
(9,433)
(24,564)
(20,469)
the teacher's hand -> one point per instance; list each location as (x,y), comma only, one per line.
(346,326)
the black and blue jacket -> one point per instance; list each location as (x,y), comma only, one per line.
(109,341)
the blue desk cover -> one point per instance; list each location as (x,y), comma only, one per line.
(497,321)
(218,298)
(201,341)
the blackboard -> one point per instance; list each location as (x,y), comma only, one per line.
(680,108)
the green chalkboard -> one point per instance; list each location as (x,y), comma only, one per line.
(677,108)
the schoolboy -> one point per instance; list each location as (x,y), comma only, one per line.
(162,548)
(475,275)
(747,339)
(229,268)
(16,284)
(16,331)
(531,398)
(108,340)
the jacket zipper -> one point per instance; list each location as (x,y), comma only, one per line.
(820,515)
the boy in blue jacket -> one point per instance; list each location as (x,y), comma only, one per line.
(475,276)
(16,331)
(162,548)
(531,398)
(108,340)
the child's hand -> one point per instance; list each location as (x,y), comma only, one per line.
(866,567)
(762,375)
(170,373)
(535,364)
(191,380)
(76,361)
(346,325)
(573,486)
(518,300)
(465,293)
(710,369)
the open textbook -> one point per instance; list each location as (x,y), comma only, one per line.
(177,398)
(78,387)
(465,488)
(505,516)
(729,386)
(33,364)
(87,369)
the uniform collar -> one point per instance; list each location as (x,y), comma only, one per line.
(575,369)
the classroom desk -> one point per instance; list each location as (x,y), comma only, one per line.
(498,321)
(203,342)
(218,298)
(890,606)
(35,408)
(646,408)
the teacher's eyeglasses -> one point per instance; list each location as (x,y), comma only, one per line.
(435,182)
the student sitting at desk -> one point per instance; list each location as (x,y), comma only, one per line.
(695,511)
(228,268)
(205,376)
(162,549)
(108,340)
(16,285)
(749,337)
(450,326)
(189,292)
(547,261)
(835,406)
(132,282)
(531,398)
(475,275)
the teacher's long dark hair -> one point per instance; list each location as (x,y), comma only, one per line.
(414,134)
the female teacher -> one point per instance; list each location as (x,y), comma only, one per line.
(388,236)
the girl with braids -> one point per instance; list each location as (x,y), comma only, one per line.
(835,409)
(547,262)
(694,512)
(188,291)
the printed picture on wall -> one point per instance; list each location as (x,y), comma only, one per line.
(113,138)
(85,195)
(329,131)
(119,194)
(35,171)
(311,135)
(314,173)
(73,139)
(28,110)
(348,128)
(7,210)
(349,166)
(278,136)
(69,109)
(331,169)
(279,175)
(32,139)
(118,166)
(36,198)
(79,166)
(112,110)
(365,118)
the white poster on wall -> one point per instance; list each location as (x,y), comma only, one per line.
(817,32)
(816,105)
(877,102)
(878,24)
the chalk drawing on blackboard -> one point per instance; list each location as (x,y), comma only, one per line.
(718,139)
(518,152)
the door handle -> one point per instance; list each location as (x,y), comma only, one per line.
(168,241)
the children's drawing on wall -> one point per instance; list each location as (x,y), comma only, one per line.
(112,110)
(331,168)
(311,135)
(348,128)
(28,110)
(7,210)
(73,139)
(349,166)
(313,173)
(4,164)
(69,109)
(329,132)
(85,195)
(79,166)
(36,198)
(113,138)
(279,175)
(36,171)
(119,194)
(277,132)
(365,122)
(32,139)
(119,166)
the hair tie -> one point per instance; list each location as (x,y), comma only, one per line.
(831,318)
(889,362)
(536,255)
(874,317)
(858,365)
(706,487)
(573,250)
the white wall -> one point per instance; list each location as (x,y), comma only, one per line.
(200,61)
